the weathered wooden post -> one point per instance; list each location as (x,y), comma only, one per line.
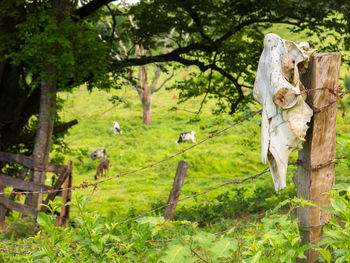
(316,168)
(3,210)
(176,190)
(63,218)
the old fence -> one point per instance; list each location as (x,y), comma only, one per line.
(21,186)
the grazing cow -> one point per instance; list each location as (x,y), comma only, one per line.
(98,153)
(102,168)
(116,127)
(187,136)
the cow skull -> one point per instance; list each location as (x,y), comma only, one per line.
(285,113)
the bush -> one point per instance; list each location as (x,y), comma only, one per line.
(335,247)
(234,203)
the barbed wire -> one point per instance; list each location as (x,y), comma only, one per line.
(338,92)
(19,244)
(239,181)
(8,251)
(89,184)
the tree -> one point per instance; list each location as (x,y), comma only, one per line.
(140,83)
(42,51)
(143,88)
(28,30)
(224,39)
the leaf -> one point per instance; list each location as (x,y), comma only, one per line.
(341,186)
(67,260)
(341,259)
(151,220)
(38,254)
(325,254)
(43,219)
(42,260)
(204,240)
(329,209)
(178,254)
(256,258)
(46,248)
(223,248)
(338,205)
(300,251)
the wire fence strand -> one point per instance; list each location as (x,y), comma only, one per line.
(90,184)
(240,181)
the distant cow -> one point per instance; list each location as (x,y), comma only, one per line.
(98,153)
(187,136)
(116,127)
(102,168)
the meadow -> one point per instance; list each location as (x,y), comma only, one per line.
(231,155)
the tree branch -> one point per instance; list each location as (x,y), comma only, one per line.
(91,7)
(208,88)
(156,76)
(165,81)
(142,60)
(114,22)
(31,136)
(193,14)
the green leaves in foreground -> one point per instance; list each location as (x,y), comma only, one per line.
(178,253)
(337,231)
(275,238)
(204,246)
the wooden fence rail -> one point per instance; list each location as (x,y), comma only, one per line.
(20,185)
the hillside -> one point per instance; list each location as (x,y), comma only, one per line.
(226,157)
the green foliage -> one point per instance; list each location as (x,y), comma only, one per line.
(276,238)
(150,239)
(335,247)
(18,228)
(347,82)
(224,39)
(70,46)
(94,239)
(234,203)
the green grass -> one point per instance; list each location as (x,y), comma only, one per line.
(233,154)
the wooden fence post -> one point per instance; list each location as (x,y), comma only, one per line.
(316,168)
(3,210)
(63,218)
(176,190)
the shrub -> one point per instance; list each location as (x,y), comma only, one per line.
(335,247)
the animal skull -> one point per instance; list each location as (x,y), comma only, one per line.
(285,113)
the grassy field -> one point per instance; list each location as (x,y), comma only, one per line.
(231,155)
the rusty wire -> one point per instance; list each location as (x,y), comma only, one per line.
(337,92)
(240,181)
(8,251)
(316,167)
(89,184)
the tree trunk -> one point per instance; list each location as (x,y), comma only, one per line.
(146,95)
(42,144)
(147,106)
(47,113)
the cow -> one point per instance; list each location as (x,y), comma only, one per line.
(98,153)
(116,127)
(187,136)
(102,168)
